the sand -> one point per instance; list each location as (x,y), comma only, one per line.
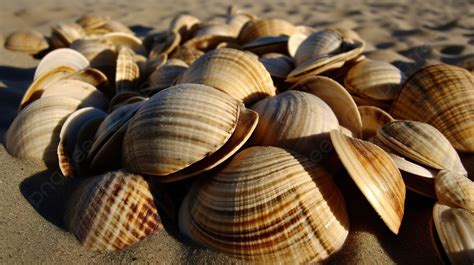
(409,34)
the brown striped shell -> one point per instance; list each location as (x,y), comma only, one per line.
(257,28)
(127,71)
(29,41)
(443,96)
(165,76)
(184,130)
(338,99)
(232,71)
(422,143)
(374,79)
(317,44)
(277,64)
(373,119)
(268,205)
(455,189)
(112,211)
(128,40)
(34,134)
(293,120)
(455,228)
(375,174)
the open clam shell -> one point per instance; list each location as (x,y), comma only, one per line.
(317,44)
(34,134)
(375,174)
(268,205)
(29,41)
(443,96)
(112,211)
(455,228)
(455,189)
(338,99)
(422,143)
(69,137)
(373,119)
(293,120)
(232,71)
(61,57)
(184,130)
(257,28)
(374,79)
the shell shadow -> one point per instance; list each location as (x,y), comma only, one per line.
(47,192)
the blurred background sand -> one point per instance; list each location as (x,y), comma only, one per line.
(409,34)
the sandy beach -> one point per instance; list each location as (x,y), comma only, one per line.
(409,34)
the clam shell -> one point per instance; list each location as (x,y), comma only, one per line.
(210,42)
(116,26)
(120,39)
(181,126)
(127,72)
(187,54)
(68,138)
(217,30)
(294,41)
(36,89)
(293,120)
(443,96)
(86,93)
(375,174)
(166,46)
(338,99)
(84,140)
(373,119)
(112,211)
(93,77)
(268,44)
(455,228)
(320,43)
(261,206)
(277,64)
(257,28)
(455,189)
(100,52)
(125,98)
(91,22)
(34,134)
(164,77)
(374,79)
(29,41)
(61,57)
(64,34)
(422,143)
(233,72)
(105,152)
(184,25)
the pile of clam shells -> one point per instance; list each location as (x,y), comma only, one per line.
(261,115)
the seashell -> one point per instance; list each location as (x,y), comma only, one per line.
(257,28)
(61,57)
(87,94)
(125,98)
(443,96)
(268,44)
(187,53)
(194,128)
(106,150)
(83,142)
(233,72)
(34,134)
(293,120)
(348,34)
(373,119)
(325,42)
(217,30)
(166,46)
(317,64)
(63,34)
(260,206)
(422,143)
(375,174)
(294,41)
(29,41)
(237,22)
(35,90)
(69,135)
(374,79)
(128,40)
(455,228)
(209,42)
(455,190)
(128,72)
(152,64)
(93,77)
(91,22)
(112,211)
(96,50)
(165,76)
(277,64)
(338,99)
(184,25)
(116,26)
